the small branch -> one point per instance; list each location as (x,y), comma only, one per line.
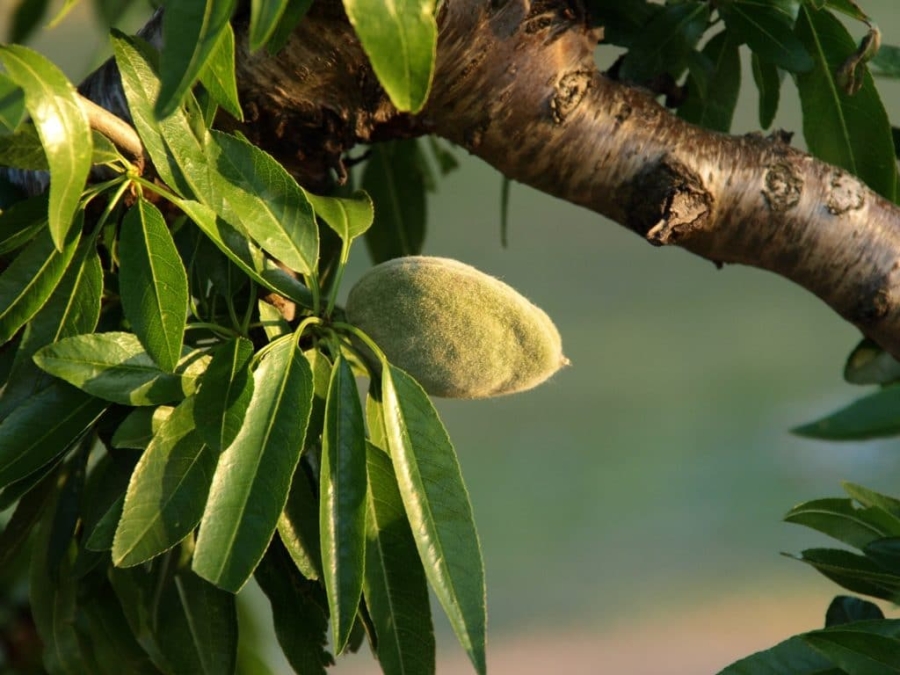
(115,129)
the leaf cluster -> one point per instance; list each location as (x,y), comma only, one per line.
(179,411)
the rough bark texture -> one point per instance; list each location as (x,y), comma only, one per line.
(516,85)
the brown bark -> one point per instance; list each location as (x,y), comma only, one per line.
(517,86)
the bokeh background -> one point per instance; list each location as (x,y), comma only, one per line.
(630,510)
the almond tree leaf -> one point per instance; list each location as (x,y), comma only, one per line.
(393,177)
(854,572)
(845,609)
(191,31)
(31,278)
(850,131)
(264,18)
(856,651)
(269,204)
(873,416)
(838,518)
(348,217)
(44,427)
(715,109)
(115,367)
(768,83)
(21,222)
(253,476)
(12,105)
(664,42)
(63,126)
(342,495)
(400,39)
(293,14)
(396,590)
(766,28)
(167,491)
(437,506)
(225,394)
(299,611)
(868,363)
(870,498)
(153,285)
(218,76)
(140,426)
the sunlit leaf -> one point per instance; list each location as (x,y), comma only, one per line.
(63,126)
(437,506)
(225,394)
(298,527)
(253,477)
(140,426)
(766,28)
(264,17)
(218,76)
(400,39)
(348,217)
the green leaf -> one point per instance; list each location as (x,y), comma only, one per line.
(858,652)
(225,394)
(768,82)
(140,426)
(31,278)
(393,177)
(152,284)
(437,506)
(273,321)
(114,367)
(299,611)
(395,587)
(298,527)
(23,149)
(167,491)
(870,364)
(237,248)
(838,518)
(253,477)
(27,18)
(266,200)
(767,29)
(665,42)
(846,609)
(715,108)
(342,490)
(886,62)
(851,131)
(44,427)
(874,416)
(12,105)
(871,498)
(400,39)
(293,14)
(21,523)
(348,217)
(885,552)
(264,18)
(191,31)
(64,130)
(791,657)
(218,76)
(854,572)
(21,222)
(848,7)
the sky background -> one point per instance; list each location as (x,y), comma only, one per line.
(630,509)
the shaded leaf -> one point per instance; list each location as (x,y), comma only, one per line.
(396,590)
(63,126)
(846,609)
(874,416)
(21,222)
(342,495)
(791,657)
(298,527)
(767,29)
(838,518)
(225,394)
(854,572)
(12,105)
(437,506)
(273,322)
(138,428)
(167,491)
(152,284)
(218,75)
(115,367)
(858,652)
(400,39)
(714,109)
(253,476)
(870,364)
(264,18)
(665,41)
(293,14)
(885,552)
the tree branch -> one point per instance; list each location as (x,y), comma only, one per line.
(122,134)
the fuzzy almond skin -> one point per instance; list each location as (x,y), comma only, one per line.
(459,332)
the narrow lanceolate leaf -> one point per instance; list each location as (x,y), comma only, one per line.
(21,222)
(766,27)
(715,108)
(437,506)
(400,39)
(768,82)
(264,16)
(839,518)
(42,428)
(874,416)
(858,652)
(218,75)
(253,476)
(791,657)
(167,491)
(63,127)
(298,527)
(225,394)
(152,284)
(115,367)
(293,14)
(393,177)
(191,31)
(265,200)
(12,105)
(348,217)
(851,131)
(854,572)
(299,611)
(342,511)
(395,587)
(31,278)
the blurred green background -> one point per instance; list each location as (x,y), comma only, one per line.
(630,510)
